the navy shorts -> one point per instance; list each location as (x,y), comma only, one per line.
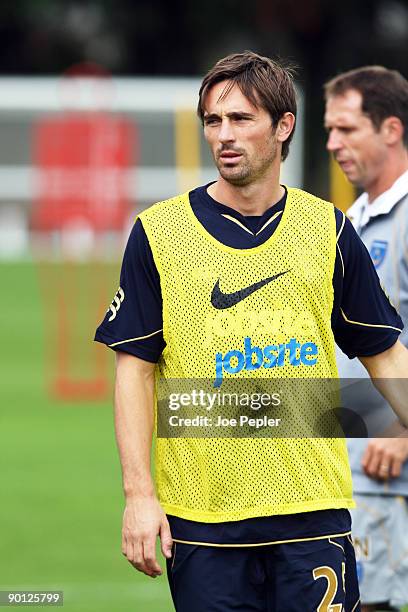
(307,576)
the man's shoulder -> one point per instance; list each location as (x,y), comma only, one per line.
(295,192)
(310,204)
(164,205)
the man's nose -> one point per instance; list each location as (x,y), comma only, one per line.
(226,133)
(333,141)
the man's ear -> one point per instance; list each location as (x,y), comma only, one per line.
(392,130)
(285,126)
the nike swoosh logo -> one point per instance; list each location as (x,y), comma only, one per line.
(222,300)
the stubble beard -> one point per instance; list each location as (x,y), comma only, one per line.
(247,173)
(237,176)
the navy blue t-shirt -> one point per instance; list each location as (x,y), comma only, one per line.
(358,297)
(136,327)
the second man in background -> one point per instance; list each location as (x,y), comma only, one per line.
(367,123)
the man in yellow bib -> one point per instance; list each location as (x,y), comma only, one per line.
(242,280)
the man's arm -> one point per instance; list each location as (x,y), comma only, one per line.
(389,373)
(143,519)
(384,457)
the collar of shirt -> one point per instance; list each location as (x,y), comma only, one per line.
(252,222)
(362,211)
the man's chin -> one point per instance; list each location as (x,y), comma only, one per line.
(354,180)
(351,176)
(238,179)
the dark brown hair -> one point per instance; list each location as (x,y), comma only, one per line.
(384,93)
(264,82)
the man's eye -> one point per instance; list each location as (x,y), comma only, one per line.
(211,121)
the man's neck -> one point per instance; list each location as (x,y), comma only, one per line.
(396,166)
(253,199)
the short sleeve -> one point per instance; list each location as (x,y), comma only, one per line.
(134,321)
(364,321)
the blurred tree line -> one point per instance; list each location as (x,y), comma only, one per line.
(158,37)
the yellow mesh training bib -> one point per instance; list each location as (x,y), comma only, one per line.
(220,302)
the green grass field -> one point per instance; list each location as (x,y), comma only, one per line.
(61,499)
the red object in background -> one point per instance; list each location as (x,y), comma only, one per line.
(82,158)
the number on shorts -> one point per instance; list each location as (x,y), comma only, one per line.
(327,605)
